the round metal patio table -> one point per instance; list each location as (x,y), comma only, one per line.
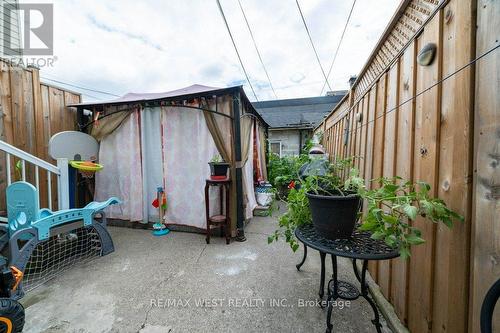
(359,247)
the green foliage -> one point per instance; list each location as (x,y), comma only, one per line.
(283,170)
(216,159)
(298,212)
(286,169)
(19,171)
(319,137)
(394,204)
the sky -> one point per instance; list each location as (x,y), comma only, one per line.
(121,46)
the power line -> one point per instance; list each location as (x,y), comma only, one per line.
(312,44)
(82,93)
(80,87)
(92,96)
(235,48)
(396,108)
(257,49)
(338,47)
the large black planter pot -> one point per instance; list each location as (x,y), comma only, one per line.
(218,169)
(334,217)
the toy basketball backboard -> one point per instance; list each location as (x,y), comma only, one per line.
(75,146)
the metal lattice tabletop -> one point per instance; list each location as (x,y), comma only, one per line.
(359,246)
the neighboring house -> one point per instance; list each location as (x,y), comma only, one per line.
(10,35)
(291,121)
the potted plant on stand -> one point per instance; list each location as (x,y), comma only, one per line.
(329,203)
(333,206)
(218,168)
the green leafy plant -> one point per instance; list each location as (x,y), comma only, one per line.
(395,204)
(392,206)
(299,213)
(216,159)
(283,170)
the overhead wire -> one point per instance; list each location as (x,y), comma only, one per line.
(257,49)
(396,108)
(338,47)
(92,96)
(236,48)
(80,87)
(312,44)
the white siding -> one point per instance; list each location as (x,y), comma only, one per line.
(13,30)
(290,140)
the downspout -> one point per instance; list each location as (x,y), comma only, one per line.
(240,219)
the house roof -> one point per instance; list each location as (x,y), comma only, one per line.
(297,112)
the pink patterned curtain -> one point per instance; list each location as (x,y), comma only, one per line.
(188,146)
(120,153)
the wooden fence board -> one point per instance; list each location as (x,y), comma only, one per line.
(455,175)
(363,133)
(389,158)
(486,233)
(6,126)
(404,167)
(358,110)
(378,145)
(29,118)
(441,287)
(372,99)
(427,116)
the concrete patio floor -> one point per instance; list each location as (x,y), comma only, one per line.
(152,284)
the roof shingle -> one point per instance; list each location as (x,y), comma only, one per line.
(297,112)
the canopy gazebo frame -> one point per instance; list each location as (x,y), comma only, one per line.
(241,107)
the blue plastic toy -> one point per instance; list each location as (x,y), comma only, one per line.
(28,225)
(23,211)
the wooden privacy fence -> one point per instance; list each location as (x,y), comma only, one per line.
(419,122)
(30,113)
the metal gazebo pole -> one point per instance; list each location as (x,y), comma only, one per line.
(240,220)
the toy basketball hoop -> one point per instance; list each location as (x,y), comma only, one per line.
(86,168)
(79,148)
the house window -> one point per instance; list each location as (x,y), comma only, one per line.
(276,148)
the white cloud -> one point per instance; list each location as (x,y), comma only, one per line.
(152,45)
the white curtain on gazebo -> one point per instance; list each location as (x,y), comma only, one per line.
(188,146)
(120,153)
(248,172)
(152,162)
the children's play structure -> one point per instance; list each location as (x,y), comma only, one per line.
(36,243)
(167,139)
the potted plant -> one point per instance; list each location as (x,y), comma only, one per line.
(334,204)
(391,208)
(218,167)
(326,201)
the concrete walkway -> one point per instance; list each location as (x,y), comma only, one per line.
(179,284)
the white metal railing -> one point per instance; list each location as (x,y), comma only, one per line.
(61,172)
